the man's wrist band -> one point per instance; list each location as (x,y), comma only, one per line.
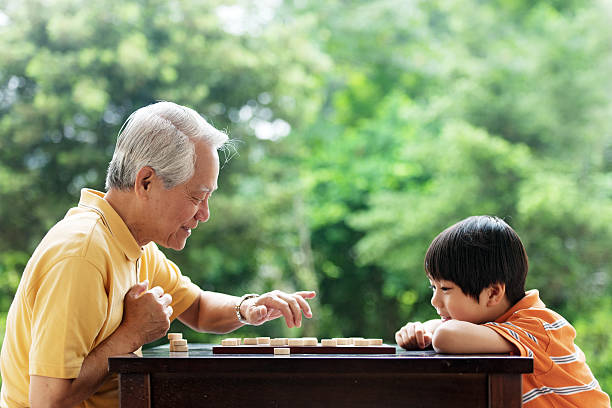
(239,315)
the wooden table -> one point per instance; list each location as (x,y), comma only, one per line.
(406,379)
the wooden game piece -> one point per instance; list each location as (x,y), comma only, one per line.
(361,342)
(375,342)
(329,342)
(281,341)
(178,342)
(310,341)
(282,351)
(263,340)
(178,345)
(230,342)
(249,341)
(175,336)
(343,341)
(295,342)
(179,348)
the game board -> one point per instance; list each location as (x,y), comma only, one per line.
(303,345)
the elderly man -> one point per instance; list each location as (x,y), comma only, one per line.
(97,285)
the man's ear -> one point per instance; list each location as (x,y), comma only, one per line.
(144,181)
(495,293)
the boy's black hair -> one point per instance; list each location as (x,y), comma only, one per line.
(477,252)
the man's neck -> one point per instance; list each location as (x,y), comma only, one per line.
(124,203)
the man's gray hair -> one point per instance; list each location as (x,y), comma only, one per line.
(161,136)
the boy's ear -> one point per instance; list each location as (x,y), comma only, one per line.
(495,293)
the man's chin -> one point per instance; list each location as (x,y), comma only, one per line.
(175,245)
(180,246)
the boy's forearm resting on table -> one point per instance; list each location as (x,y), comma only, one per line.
(458,337)
(432,325)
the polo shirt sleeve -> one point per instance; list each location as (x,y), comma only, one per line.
(164,273)
(526,333)
(69,306)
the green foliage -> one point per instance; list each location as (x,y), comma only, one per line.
(595,340)
(364,128)
(567,231)
(11,265)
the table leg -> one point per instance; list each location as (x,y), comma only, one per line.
(134,390)
(505,390)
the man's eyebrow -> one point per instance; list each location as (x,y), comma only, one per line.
(205,189)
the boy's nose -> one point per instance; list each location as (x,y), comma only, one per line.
(435,301)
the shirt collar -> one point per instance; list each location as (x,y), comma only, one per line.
(531,299)
(94,201)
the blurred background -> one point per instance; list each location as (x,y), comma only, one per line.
(363,129)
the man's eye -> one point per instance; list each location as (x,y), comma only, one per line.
(444,289)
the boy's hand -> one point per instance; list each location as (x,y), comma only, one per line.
(413,335)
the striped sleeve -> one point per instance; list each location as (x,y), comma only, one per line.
(524,339)
(559,391)
(561,376)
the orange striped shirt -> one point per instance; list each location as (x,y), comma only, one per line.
(561,377)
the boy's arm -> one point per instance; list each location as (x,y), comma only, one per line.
(459,337)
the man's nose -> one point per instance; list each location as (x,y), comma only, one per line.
(203,213)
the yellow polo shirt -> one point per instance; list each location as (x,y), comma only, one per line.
(70,298)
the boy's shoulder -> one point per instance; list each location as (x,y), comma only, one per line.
(543,314)
(542,323)
(532,307)
(532,311)
(531,322)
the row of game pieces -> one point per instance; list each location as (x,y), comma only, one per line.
(301,341)
(177,342)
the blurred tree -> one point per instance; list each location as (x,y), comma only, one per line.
(72,71)
(508,120)
(364,128)
(594,338)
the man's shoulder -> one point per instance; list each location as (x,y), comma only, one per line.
(75,243)
(80,234)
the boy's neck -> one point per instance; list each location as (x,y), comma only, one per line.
(499,309)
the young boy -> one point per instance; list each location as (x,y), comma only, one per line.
(477,270)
